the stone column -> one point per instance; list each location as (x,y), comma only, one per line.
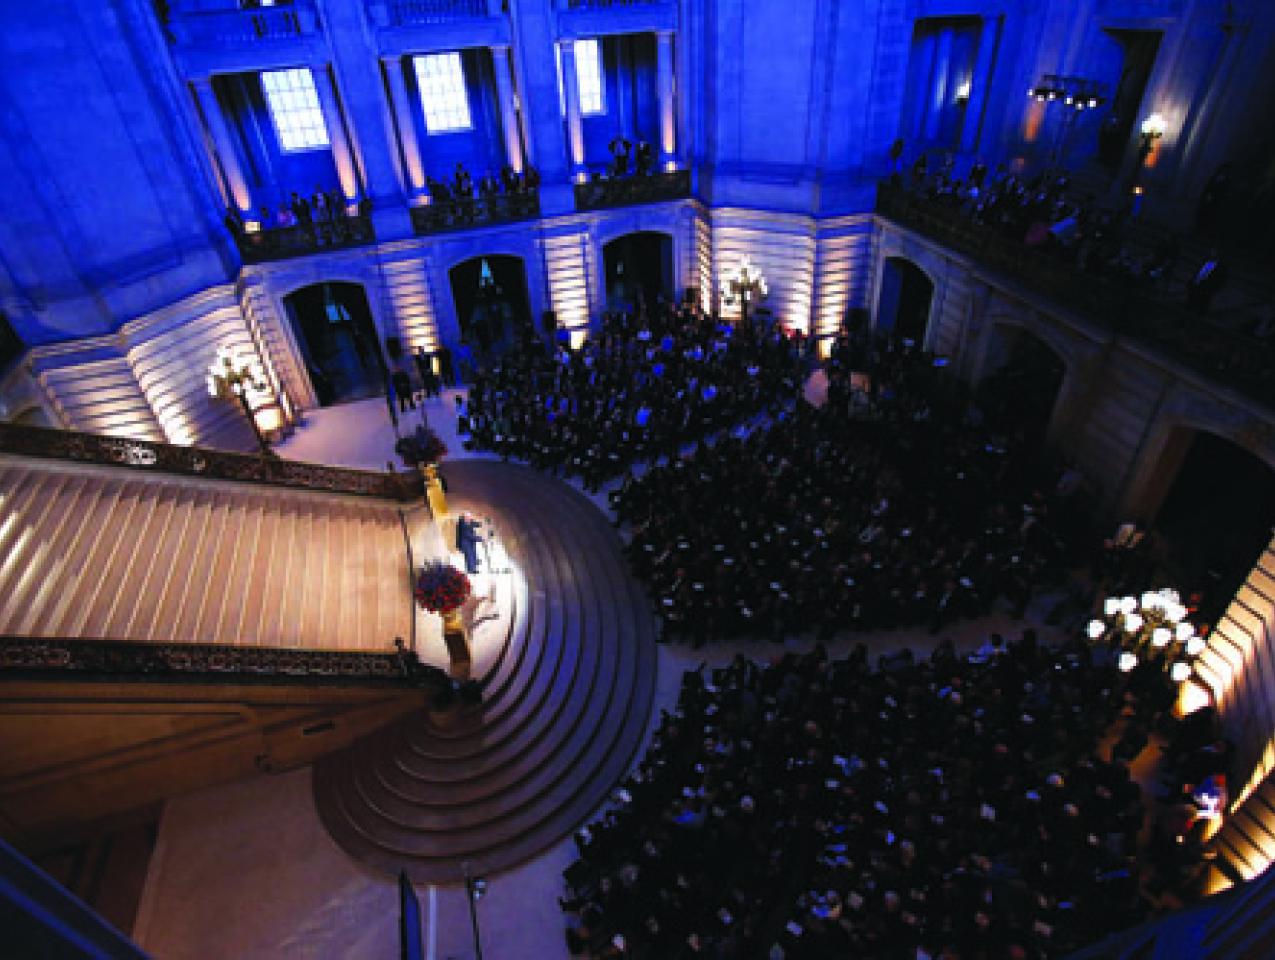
(341,153)
(401,107)
(508,110)
(664,75)
(571,93)
(980,84)
(224,148)
(938,98)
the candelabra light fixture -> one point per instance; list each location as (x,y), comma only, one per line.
(1075,94)
(743,286)
(1144,628)
(236,376)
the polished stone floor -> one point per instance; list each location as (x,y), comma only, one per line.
(246,870)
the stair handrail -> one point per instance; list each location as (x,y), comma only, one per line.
(206,463)
(93,659)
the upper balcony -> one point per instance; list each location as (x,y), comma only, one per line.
(226,37)
(423,26)
(594,18)
(1121,299)
(602,192)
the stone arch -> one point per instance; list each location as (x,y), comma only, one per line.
(510,291)
(905,303)
(629,251)
(640,220)
(1000,334)
(895,245)
(338,345)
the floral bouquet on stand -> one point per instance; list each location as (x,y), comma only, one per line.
(421,447)
(441,588)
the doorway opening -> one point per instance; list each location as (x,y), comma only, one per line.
(904,305)
(1216,518)
(491,300)
(338,341)
(639,269)
(1018,396)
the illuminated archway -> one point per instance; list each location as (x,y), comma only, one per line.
(338,341)
(639,263)
(905,300)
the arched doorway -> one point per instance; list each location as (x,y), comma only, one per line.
(492,309)
(1216,515)
(338,341)
(904,304)
(638,264)
(1020,386)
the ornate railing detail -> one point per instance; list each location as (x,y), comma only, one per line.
(279,243)
(85,659)
(1126,308)
(607,4)
(206,463)
(404,13)
(240,28)
(605,192)
(467,213)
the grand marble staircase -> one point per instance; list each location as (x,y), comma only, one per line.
(108,552)
(564,709)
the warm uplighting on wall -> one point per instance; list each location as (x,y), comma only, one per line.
(742,286)
(1150,133)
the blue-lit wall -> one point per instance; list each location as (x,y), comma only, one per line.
(630,98)
(274,174)
(480,148)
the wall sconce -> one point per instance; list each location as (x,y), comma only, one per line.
(1153,128)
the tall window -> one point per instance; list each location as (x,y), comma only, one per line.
(442,81)
(588,78)
(294,109)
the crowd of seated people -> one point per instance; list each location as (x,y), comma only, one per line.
(885,507)
(648,383)
(951,807)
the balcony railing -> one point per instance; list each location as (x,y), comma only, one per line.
(468,212)
(1128,306)
(606,4)
(413,13)
(148,455)
(603,192)
(240,28)
(280,243)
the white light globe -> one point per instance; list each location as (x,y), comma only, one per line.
(1128,604)
(1111,606)
(1133,622)
(1194,646)
(1184,631)
(1151,600)
(1161,636)
(1096,629)
(1128,661)
(1180,671)
(1174,612)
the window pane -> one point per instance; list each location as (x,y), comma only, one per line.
(589,76)
(294,109)
(442,82)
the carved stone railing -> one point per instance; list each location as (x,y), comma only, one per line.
(606,4)
(626,191)
(147,455)
(1127,307)
(41,658)
(466,214)
(280,243)
(407,13)
(242,28)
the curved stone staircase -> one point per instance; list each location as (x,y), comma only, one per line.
(565,703)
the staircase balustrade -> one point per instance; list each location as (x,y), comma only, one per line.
(205,463)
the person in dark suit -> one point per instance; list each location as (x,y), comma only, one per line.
(1205,283)
(467,540)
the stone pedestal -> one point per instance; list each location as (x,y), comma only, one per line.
(434,491)
(457,643)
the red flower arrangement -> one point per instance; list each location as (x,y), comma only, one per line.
(441,588)
(422,446)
